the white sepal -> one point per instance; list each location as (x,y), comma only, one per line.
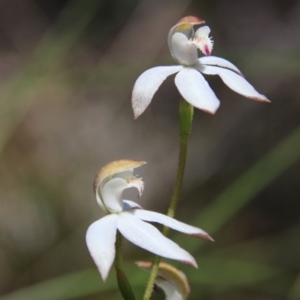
(151,216)
(184,51)
(100,240)
(236,82)
(112,193)
(218,62)
(149,238)
(146,86)
(195,90)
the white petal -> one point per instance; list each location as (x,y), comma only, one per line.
(100,239)
(148,237)
(112,193)
(203,31)
(186,30)
(99,200)
(146,86)
(219,62)
(236,82)
(195,90)
(183,50)
(151,216)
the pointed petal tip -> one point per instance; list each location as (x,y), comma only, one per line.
(137,109)
(103,275)
(204,236)
(211,112)
(209,238)
(263,99)
(266,100)
(189,260)
(135,115)
(191,263)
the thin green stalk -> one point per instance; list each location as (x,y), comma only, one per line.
(186,117)
(185,122)
(123,282)
(118,258)
(151,280)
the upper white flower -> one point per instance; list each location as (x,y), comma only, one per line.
(128,217)
(184,44)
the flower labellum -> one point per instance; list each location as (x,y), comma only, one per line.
(130,219)
(184,44)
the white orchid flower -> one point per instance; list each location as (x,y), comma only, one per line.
(183,44)
(172,281)
(130,219)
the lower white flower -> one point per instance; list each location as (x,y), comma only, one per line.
(131,220)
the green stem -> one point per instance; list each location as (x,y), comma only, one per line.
(151,280)
(185,122)
(123,282)
(118,258)
(186,117)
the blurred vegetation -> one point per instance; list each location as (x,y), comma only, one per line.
(67,69)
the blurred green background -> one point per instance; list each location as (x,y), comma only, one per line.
(67,69)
